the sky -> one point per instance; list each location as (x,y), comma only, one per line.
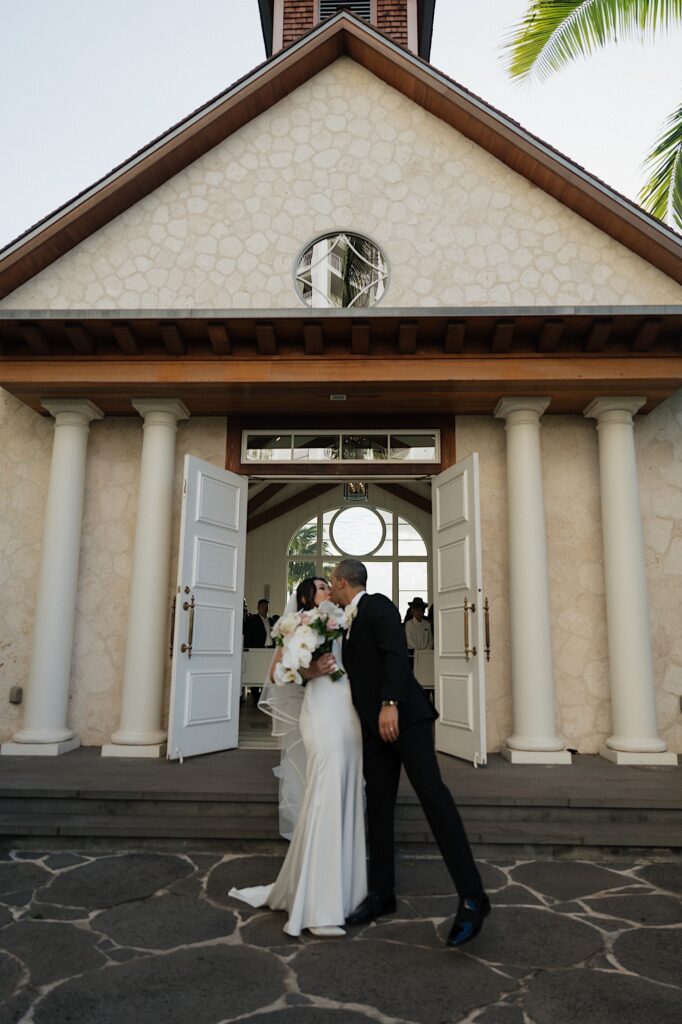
(86,83)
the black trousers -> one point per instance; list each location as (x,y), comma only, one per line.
(414,749)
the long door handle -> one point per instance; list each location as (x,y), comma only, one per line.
(468,650)
(486,609)
(172,625)
(187,648)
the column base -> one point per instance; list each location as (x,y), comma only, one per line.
(133,750)
(638,757)
(535,756)
(40,749)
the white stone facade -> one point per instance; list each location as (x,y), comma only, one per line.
(345,150)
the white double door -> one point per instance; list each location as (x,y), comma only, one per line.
(207,648)
(207,628)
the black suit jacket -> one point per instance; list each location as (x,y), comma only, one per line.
(254,631)
(376,660)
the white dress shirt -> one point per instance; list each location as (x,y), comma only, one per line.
(418,635)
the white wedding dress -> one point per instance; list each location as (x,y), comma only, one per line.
(324,874)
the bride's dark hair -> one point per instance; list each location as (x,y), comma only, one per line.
(305,592)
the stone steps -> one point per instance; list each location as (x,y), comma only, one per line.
(502,827)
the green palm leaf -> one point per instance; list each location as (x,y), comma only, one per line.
(662,193)
(555,32)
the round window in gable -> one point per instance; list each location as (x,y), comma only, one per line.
(341,271)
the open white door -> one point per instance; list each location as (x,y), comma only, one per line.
(459,656)
(207,645)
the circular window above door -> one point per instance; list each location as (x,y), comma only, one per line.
(341,270)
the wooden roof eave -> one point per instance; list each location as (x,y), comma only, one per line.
(342,35)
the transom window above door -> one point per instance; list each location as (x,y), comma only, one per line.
(340,271)
(341,446)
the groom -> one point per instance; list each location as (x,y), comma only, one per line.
(397,730)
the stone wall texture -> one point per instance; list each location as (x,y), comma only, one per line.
(345,151)
(571,482)
(109,515)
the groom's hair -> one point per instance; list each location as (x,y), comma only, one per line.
(352,571)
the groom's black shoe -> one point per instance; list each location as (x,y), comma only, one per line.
(374,905)
(468,919)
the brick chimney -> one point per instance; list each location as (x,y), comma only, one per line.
(407,22)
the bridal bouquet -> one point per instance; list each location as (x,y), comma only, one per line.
(304,634)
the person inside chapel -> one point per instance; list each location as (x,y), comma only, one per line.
(257,633)
(417,628)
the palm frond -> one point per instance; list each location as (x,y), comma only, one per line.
(661,194)
(554,33)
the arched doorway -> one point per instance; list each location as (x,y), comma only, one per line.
(393,549)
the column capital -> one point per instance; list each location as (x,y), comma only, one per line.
(530,408)
(617,408)
(78,412)
(167,406)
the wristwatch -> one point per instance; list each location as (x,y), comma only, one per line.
(389,703)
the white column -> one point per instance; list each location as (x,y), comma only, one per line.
(534,739)
(635,738)
(47,693)
(140,732)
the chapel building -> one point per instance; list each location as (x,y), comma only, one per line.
(346,307)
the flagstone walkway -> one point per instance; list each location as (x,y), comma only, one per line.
(147,938)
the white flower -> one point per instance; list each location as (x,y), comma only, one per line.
(285,675)
(328,609)
(286,625)
(294,655)
(349,613)
(305,638)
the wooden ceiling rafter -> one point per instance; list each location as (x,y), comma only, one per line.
(550,335)
(405,494)
(503,336)
(35,338)
(219,338)
(360,343)
(455,334)
(598,335)
(288,505)
(646,335)
(407,338)
(172,338)
(80,338)
(264,496)
(266,339)
(313,340)
(125,338)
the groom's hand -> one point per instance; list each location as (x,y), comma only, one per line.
(388,724)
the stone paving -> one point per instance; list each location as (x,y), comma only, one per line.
(147,937)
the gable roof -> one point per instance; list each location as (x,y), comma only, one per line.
(343,35)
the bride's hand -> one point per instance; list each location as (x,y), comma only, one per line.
(324,666)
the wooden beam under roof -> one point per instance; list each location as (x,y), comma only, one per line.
(405,494)
(35,339)
(126,338)
(266,339)
(407,338)
(289,504)
(219,338)
(360,339)
(454,336)
(80,339)
(263,496)
(550,335)
(598,335)
(503,335)
(172,338)
(313,340)
(646,336)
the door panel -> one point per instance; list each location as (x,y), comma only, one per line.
(459,667)
(206,670)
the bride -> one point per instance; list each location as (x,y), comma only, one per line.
(323,876)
